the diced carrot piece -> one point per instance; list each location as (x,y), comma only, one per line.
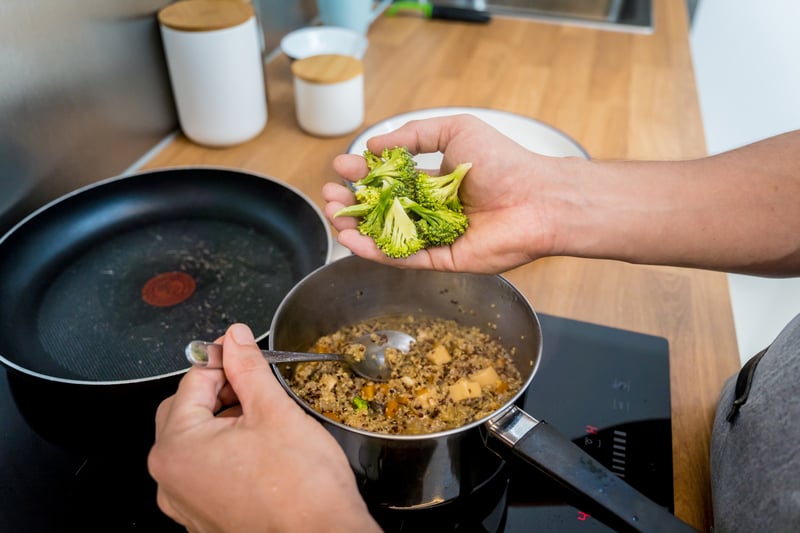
(391,408)
(425,399)
(332,416)
(368,391)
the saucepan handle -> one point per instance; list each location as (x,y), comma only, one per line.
(545,448)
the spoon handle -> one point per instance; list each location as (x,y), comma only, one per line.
(209,355)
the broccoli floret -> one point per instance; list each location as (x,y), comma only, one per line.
(391,174)
(373,161)
(439,226)
(433,191)
(395,166)
(399,238)
(360,403)
(368,195)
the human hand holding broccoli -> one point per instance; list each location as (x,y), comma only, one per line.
(507,196)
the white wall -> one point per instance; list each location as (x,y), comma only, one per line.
(747,65)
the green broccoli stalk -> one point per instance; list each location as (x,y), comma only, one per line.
(433,191)
(366,200)
(372,224)
(437,227)
(399,238)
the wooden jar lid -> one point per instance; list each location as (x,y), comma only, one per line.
(205,15)
(327,68)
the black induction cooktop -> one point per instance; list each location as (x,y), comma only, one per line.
(606,389)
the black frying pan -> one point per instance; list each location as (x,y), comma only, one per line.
(101,289)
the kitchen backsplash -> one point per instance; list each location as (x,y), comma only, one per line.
(84,91)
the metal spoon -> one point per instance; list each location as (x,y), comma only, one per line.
(372,366)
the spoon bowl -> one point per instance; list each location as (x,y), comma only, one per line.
(371,365)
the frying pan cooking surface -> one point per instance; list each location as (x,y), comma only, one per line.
(211,273)
(109,283)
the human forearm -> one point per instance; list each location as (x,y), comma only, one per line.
(738,211)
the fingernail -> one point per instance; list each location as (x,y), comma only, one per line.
(242,334)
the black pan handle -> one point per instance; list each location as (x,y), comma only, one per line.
(459,13)
(542,446)
(433,11)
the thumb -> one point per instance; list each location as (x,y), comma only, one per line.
(248,373)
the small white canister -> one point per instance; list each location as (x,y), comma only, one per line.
(214,59)
(329,94)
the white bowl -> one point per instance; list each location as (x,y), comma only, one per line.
(318,40)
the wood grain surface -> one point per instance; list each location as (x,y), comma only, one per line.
(621,96)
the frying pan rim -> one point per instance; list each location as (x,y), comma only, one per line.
(131,175)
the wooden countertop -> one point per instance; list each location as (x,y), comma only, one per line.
(621,96)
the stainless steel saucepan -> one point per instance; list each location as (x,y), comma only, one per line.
(424,471)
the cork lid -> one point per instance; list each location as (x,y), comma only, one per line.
(205,15)
(327,68)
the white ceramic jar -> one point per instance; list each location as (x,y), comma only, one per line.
(329,94)
(213,52)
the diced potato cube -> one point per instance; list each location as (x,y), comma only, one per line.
(464,389)
(439,355)
(486,377)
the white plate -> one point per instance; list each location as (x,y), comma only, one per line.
(530,133)
(318,40)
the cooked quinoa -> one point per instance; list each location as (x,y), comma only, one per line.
(451,376)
